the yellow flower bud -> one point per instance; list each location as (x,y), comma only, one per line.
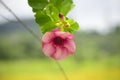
(67,25)
(57,24)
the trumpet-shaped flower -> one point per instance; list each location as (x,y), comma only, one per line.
(58,44)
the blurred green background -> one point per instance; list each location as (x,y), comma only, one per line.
(97,56)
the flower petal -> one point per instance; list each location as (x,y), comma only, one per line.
(64,35)
(48,49)
(70,46)
(47,37)
(56,30)
(60,54)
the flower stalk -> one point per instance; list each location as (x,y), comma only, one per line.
(62,22)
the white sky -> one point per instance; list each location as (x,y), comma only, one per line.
(91,14)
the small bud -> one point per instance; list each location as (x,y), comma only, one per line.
(61,16)
(67,25)
(57,24)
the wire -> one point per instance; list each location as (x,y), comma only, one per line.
(19,20)
(34,34)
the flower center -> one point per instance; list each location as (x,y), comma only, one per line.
(58,41)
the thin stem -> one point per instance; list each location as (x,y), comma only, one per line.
(19,20)
(34,34)
(6,19)
(62,70)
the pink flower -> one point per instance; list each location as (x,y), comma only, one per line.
(57,44)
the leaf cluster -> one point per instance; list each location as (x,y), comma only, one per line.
(47,13)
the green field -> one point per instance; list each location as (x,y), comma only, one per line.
(48,70)
(97,57)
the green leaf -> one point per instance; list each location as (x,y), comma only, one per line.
(44,21)
(42,18)
(73,24)
(52,12)
(38,4)
(64,6)
(69,30)
(47,13)
(48,27)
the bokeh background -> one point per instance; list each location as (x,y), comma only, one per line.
(97,56)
